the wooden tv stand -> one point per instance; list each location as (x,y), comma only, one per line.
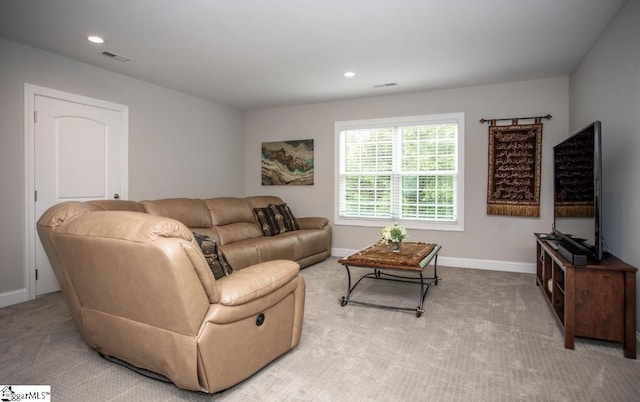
(597,300)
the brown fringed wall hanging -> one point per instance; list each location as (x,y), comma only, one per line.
(515,154)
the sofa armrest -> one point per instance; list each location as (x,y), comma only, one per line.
(255,281)
(312,222)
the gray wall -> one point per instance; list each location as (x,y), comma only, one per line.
(606,87)
(185,146)
(486,239)
(179,145)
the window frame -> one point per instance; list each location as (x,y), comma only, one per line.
(458,118)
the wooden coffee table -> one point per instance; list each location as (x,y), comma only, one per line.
(412,260)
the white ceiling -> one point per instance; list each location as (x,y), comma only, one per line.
(252,54)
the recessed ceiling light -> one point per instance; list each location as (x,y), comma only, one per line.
(95,39)
(349,74)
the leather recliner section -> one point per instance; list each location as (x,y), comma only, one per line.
(139,289)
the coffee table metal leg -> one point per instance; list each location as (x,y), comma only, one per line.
(435,270)
(345,299)
(379,275)
(423,294)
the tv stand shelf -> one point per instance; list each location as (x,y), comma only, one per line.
(597,300)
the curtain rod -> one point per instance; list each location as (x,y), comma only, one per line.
(548,117)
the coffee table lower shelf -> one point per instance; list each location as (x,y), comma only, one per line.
(379,274)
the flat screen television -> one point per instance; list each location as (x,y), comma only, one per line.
(577,170)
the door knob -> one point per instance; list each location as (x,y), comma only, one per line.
(116,196)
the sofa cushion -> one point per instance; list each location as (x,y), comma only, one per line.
(55,217)
(237,232)
(276,219)
(256,281)
(218,263)
(261,201)
(243,253)
(233,219)
(192,212)
(229,210)
(117,205)
(313,242)
(285,246)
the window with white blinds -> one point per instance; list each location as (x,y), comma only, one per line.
(407,170)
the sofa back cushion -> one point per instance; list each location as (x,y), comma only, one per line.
(55,217)
(192,212)
(262,201)
(233,218)
(117,205)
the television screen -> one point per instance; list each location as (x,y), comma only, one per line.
(577,190)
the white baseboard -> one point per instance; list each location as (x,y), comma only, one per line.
(13,297)
(491,265)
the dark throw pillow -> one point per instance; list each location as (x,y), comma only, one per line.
(218,263)
(267,221)
(288,220)
(276,219)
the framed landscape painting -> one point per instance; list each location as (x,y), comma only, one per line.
(287,163)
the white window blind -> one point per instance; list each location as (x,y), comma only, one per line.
(406,170)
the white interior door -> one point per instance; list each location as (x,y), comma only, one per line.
(80,154)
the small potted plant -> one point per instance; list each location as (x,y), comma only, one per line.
(393,235)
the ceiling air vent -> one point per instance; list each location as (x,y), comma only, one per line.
(115,56)
(388,84)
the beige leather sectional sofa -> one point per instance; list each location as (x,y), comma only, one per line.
(232,223)
(140,290)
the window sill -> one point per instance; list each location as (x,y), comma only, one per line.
(420,225)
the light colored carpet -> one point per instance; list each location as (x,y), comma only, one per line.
(485,336)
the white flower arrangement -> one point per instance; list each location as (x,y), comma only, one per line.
(395,234)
